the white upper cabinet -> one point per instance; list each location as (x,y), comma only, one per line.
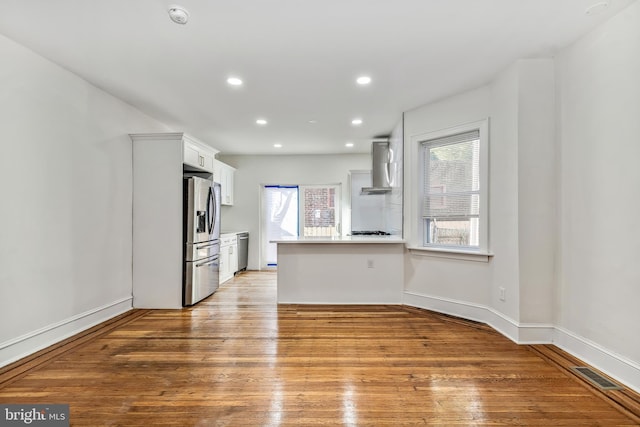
(223,174)
(197,154)
(191,155)
(227,185)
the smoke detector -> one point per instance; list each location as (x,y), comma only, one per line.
(178,14)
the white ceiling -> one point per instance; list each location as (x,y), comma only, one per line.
(298,58)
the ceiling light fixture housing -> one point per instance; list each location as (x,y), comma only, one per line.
(363,80)
(261,122)
(356,122)
(178,14)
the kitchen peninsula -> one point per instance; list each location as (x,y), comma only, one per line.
(340,270)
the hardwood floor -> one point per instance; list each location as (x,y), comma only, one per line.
(239,359)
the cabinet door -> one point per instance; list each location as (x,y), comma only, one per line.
(224,264)
(191,155)
(226,175)
(233,258)
(198,157)
(230,173)
(217,172)
(207,161)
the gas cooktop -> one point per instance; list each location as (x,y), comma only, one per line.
(370,233)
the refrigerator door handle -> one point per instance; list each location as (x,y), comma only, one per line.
(211,209)
(207,263)
(207,245)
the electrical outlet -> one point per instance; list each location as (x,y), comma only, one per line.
(503,294)
(369,263)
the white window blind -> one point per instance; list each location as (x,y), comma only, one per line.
(451,191)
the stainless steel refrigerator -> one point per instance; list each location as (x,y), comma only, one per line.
(202,239)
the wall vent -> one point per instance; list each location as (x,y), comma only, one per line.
(595,378)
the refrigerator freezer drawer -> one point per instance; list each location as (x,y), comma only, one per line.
(195,251)
(201,279)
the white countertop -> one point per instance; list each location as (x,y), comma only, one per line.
(230,233)
(341,239)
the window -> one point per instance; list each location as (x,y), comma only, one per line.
(292,210)
(320,204)
(453,191)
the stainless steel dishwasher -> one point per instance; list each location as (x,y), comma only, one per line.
(243,251)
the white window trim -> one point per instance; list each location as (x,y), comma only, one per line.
(482,253)
(438,252)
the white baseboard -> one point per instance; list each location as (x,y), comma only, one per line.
(462,309)
(520,333)
(17,348)
(617,367)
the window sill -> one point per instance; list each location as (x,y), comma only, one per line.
(450,253)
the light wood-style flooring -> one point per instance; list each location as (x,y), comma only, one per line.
(239,359)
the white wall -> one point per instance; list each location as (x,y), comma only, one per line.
(254,171)
(523,191)
(563,206)
(425,275)
(65,216)
(519,104)
(503,192)
(537,190)
(599,109)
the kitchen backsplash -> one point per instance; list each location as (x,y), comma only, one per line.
(393,199)
(383,212)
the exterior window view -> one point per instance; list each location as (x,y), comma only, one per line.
(321,211)
(340,213)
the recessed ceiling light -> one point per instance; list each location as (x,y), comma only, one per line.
(313,122)
(363,80)
(349,144)
(234,81)
(178,14)
(261,122)
(277,145)
(356,122)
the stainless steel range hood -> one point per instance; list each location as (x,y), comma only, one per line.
(380,168)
